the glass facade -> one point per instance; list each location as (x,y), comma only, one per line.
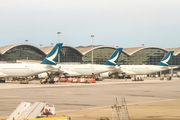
(23,52)
(147,56)
(100,55)
(69,54)
(124,59)
(175,60)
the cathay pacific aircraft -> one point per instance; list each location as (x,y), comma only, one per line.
(17,69)
(89,69)
(144,69)
(147,69)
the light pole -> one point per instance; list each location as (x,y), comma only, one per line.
(26,51)
(59,42)
(58,36)
(92,47)
(26,41)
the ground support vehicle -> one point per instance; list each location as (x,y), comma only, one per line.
(83,80)
(52,118)
(43,81)
(2,80)
(91,80)
(35,111)
(98,78)
(62,80)
(70,79)
(74,80)
(24,82)
(50,81)
(27,110)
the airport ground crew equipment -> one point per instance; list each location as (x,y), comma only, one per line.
(169,78)
(62,80)
(24,82)
(27,110)
(44,81)
(138,78)
(74,80)
(2,80)
(92,80)
(51,118)
(161,78)
(120,110)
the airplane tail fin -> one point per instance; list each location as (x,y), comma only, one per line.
(166,59)
(52,57)
(114,58)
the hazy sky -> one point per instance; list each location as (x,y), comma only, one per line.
(123,23)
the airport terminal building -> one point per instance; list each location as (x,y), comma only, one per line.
(148,55)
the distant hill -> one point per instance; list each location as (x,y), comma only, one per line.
(89,46)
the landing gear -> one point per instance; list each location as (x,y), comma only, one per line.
(48,79)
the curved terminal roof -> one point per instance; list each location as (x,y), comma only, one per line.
(4,49)
(85,50)
(131,51)
(128,51)
(176,50)
(46,50)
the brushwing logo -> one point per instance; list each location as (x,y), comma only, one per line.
(114,59)
(165,61)
(53,56)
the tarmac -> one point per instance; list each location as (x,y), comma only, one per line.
(151,99)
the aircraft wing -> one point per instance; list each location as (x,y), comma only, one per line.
(2,74)
(112,68)
(68,73)
(128,72)
(52,67)
(173,67)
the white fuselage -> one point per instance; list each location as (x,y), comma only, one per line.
(16,69)
(84,69)
(141,69)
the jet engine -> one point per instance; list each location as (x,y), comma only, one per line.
(106,74)
(42,75)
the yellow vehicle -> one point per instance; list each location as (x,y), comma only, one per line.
(24,82)
(49,118)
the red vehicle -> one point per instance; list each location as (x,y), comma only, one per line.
(70,79)
(62,80)
(91,80)
(78,80)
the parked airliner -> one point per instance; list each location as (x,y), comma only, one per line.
(147,69)
(88,69)
(17,69)
(143,69)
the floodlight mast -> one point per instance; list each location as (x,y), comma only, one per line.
(59,42)
(92,47)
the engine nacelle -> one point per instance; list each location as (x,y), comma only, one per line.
(120,74)
(42,75)
(106,74)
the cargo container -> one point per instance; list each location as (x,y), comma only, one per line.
(74,80)
(83,80)
(91,80)
(70,79)
(62,80)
